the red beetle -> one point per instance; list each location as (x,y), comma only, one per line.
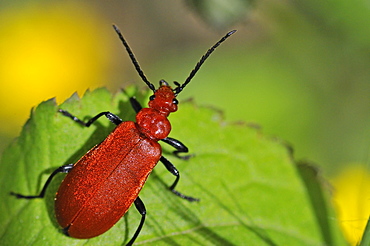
(100,188)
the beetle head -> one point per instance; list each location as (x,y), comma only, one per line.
(164,99)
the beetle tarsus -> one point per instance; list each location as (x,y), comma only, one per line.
(142,210)
(112,117)
(188,198)
(172,169)
(61,169)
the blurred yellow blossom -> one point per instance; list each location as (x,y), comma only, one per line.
(47,51)
(352,198)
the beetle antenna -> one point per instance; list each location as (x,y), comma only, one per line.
(179,88)
(133,59)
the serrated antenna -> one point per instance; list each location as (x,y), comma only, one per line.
(133,59)
(179,88)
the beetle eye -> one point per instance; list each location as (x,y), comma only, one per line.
(175,101)
(151,98)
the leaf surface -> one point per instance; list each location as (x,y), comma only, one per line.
(251,191)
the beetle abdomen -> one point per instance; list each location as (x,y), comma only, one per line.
(90,202)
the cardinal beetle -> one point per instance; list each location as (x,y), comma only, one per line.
(100,188)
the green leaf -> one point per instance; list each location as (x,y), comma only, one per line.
(366,237)
(250,189)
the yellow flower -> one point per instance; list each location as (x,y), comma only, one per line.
(352,198)
(48,50)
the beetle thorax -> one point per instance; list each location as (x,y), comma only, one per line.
(152,124)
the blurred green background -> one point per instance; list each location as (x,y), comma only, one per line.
(298,69)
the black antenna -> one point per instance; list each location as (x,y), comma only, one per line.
(179,88)
(133,59)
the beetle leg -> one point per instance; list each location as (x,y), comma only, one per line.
(179,146)
(135,104)
(170,167)
(62,169)
(141,208)
(112,117)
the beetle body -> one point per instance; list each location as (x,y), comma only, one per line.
(93,197)
(100,188)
